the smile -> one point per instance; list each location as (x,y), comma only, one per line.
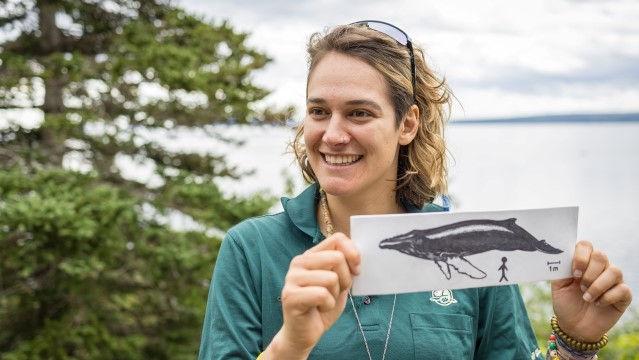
(342,160)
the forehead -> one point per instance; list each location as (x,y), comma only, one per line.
(346,76)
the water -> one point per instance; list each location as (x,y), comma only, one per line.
(594,166)
(510,166)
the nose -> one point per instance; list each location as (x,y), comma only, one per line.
(336,132)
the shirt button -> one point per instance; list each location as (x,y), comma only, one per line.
(367,300)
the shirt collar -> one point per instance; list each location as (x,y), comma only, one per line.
(302,209)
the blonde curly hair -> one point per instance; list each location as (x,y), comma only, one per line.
(422,169)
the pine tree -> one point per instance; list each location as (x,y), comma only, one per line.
(89,267)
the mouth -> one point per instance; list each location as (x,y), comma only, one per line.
(341,160)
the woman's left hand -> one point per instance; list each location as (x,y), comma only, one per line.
(591,303)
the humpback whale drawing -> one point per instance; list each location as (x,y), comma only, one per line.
(448,245)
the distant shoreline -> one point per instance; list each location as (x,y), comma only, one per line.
(555,119)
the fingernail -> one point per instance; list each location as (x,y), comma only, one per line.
(587,297)
(578,273)
(583,288)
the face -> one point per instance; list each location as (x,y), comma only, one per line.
(350,131)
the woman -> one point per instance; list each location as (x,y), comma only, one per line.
(372,143)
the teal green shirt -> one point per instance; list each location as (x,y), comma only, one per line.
(244,310)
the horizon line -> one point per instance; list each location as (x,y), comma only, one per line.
(567,118)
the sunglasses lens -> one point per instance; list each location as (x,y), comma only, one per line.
(387,29)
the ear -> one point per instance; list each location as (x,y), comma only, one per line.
(409,125)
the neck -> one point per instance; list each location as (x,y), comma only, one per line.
(340,209)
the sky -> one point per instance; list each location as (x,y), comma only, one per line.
(501,58)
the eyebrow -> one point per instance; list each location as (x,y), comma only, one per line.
(360,102)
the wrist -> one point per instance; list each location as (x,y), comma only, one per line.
(575,347)
(576,329)
(281,348)
(558,350)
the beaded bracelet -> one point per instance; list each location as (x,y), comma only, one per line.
(576,344)
(553,353)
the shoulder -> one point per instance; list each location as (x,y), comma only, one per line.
(270,236)
(260,227)
(430,207)
(263,222)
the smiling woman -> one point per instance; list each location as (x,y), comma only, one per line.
(351,137)
(383,83)
(372,143)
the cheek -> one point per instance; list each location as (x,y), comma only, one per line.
(390,149)
(308,137)
(312,133)
(385,141)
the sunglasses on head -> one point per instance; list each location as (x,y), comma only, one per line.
(399,35)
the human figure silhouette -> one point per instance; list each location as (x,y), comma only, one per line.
(503,269)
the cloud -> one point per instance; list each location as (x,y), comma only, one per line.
(530,51)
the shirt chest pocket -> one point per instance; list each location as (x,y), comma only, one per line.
(442,336)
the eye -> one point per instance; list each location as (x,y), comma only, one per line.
(361,114)
(316,113)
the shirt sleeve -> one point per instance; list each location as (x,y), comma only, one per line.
(504,330)
(232,324)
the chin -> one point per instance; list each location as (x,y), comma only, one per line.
(337,187)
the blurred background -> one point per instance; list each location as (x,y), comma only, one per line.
(134,133)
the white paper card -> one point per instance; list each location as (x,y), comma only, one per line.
(431,251)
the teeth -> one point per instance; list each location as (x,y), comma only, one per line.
(341,159)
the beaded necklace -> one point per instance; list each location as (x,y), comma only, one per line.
(329,232)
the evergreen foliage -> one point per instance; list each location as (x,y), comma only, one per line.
(89,267)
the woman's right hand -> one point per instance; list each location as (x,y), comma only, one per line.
(314,296)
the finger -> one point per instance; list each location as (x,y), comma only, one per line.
(597,265)
(325,260)
(324,278)
(620,296)
(299,300)
(343,244)
(580,260)
(606,280)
